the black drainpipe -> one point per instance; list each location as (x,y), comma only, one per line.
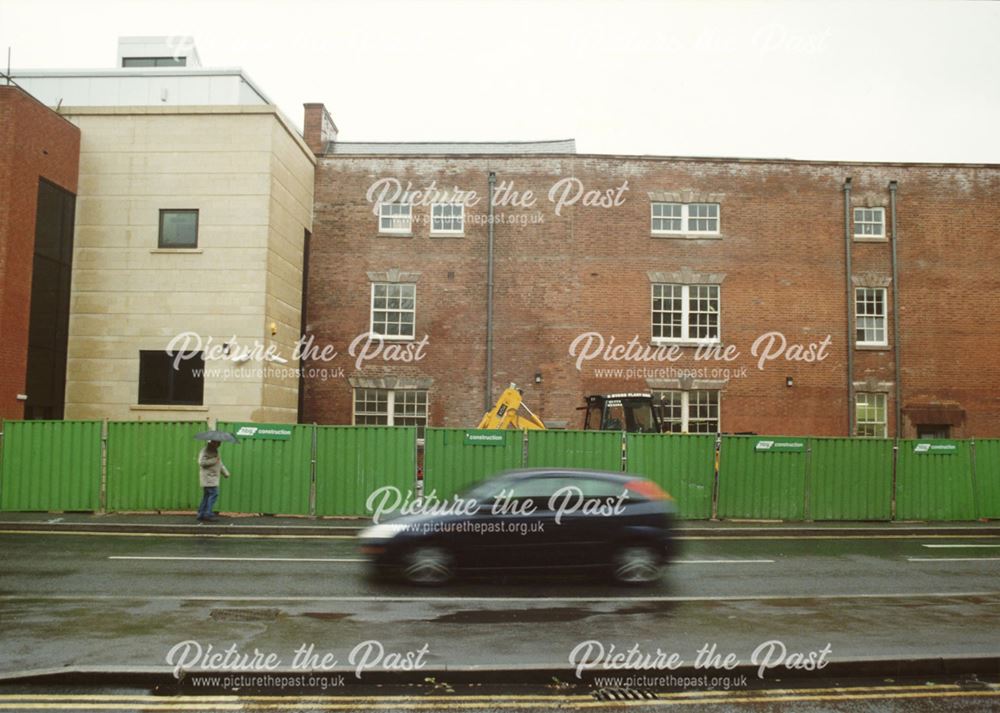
(850,307)
(489,298)
(895,313)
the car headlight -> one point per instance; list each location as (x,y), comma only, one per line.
(382,531)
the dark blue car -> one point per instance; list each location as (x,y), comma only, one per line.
(532,521)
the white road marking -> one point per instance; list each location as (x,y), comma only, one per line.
(240,559)
(467,599)
(347,559)
(723,562)
(944,546)
(953,559)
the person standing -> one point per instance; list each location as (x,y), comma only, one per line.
(211,467)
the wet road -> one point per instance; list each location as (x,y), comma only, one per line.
(124,601)
(856,697)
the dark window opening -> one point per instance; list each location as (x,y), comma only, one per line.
(178,229)
(48,321)
(933,431)
(171,378)
(304,321)
(154,61)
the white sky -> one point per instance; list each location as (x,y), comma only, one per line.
(878,81)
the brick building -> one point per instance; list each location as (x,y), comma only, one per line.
(749,295)
(39,167)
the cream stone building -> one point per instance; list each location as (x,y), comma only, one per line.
(192,222)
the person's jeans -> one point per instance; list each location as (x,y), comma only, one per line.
(208,501)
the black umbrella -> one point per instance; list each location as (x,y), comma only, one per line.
(219,436)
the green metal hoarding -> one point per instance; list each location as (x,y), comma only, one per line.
(352,462)
(683,465)
(269,475)
(934,480)
(153,465)
(593,450)
(759,481)
(51,465)
(455,458)
(850,479)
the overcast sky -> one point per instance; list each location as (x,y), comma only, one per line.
(879,81)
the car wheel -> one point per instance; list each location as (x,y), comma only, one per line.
(636,564)
(428,565)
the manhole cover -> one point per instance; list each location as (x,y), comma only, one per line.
(624,694)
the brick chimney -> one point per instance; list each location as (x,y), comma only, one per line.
(318,127)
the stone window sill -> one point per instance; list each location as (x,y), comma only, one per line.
(873,347)
(182,251)
(687,236)
(688,345)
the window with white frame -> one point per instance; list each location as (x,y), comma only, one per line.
(869,222)
(391,407)
(671,218)
(869,315)
(447,218)
(869,415)
(395,218)
(688,411)
(668,218)
(394,309)
(685,313)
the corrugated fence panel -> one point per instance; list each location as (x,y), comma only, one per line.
(683,465)
(451,464)
(851,479)
(934,485)
(51,465)
(760,484)
(352,462)
(988,479)
(594,450)
(153,465)
(268,476)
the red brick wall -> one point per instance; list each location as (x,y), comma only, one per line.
(35,143)
(782,253)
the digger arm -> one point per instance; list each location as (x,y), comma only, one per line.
(505,413)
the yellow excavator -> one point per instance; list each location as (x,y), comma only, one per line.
(632,412)
(506,413)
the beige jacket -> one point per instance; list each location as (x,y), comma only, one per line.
(211,467)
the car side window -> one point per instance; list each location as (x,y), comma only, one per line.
(538,490)
(597,488)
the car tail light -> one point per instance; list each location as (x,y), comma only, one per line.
(648,490)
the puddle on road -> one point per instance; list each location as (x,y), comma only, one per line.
(545,614)
(506,616)
(326,615)
(244,614)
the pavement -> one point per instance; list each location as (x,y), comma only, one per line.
(233,523)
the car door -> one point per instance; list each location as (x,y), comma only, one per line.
(586,518)
(516,525)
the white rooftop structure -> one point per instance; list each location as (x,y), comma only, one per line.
(150,71)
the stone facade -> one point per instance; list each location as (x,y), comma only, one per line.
(250,176)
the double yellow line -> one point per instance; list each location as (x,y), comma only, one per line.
(73,702)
